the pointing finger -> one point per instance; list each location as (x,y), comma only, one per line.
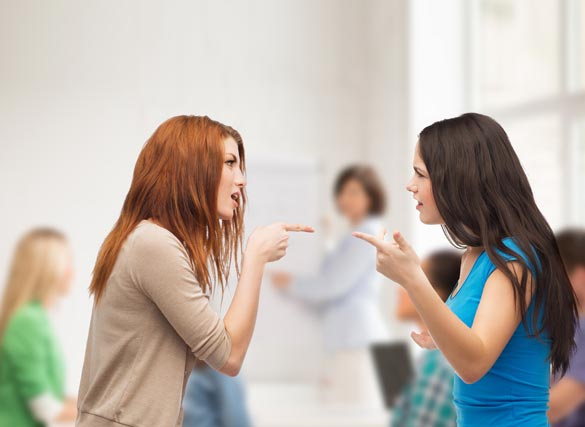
(299,227)
(372,240)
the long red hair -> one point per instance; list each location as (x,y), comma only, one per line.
(176,181)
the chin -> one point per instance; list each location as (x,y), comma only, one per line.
(428,221)
(226,216)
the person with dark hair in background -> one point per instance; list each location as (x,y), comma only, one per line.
(513,312)
(567,395)
(428,400)
(32,367)
(346,292)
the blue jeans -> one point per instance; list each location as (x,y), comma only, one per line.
(214,400)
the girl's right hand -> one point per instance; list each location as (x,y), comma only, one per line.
(270,242)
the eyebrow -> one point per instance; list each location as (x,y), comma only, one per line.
(233,155)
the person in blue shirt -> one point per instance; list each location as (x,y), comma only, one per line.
(513,312)
(345,291)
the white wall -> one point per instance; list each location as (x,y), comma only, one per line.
(437,85)
(84,84)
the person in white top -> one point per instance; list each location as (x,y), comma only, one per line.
(346,292)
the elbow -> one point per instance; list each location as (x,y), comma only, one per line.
(233,365)
(471,376)
(231,369)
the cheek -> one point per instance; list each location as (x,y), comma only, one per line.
(226,179)
(427,194)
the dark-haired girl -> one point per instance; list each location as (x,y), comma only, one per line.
(512,313)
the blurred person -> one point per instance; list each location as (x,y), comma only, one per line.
(428,400)
(346,292)
(32,371)
(513,312)
(180,227)
(567,395)
(214,400)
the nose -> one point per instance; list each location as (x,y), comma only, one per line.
(240,179)
(411,187)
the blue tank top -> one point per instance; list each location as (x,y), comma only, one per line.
(515,391)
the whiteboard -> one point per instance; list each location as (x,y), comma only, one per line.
(288,341)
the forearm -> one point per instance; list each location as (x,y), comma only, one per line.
(240,318)
(460,345)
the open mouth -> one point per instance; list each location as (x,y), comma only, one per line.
(236,199)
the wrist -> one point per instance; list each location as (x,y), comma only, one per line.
(253,257)
(416,281)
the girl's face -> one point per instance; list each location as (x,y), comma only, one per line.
(422,191)
(231,183)
(353,201)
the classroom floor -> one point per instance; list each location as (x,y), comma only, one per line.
(296,405)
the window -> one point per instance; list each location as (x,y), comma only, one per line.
(527,70)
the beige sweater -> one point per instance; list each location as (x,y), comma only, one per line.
(150,323)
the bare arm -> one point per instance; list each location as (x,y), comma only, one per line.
(265,245)
(470,351)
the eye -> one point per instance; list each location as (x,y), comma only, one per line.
(230,163)
(419,174)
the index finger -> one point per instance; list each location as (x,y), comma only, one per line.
(372,240)
(299,227)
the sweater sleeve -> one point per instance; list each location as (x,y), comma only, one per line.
(161,269)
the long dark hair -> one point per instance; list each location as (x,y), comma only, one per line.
(483,195)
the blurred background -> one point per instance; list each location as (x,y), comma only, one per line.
(312,86)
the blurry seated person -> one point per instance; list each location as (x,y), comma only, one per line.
(32,367)
(213,399)
(428,400)
(567,396)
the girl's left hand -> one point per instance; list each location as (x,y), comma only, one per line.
(395,260)
(424,340)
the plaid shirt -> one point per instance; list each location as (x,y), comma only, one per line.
(428,400)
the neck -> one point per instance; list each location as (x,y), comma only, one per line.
(357,220)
